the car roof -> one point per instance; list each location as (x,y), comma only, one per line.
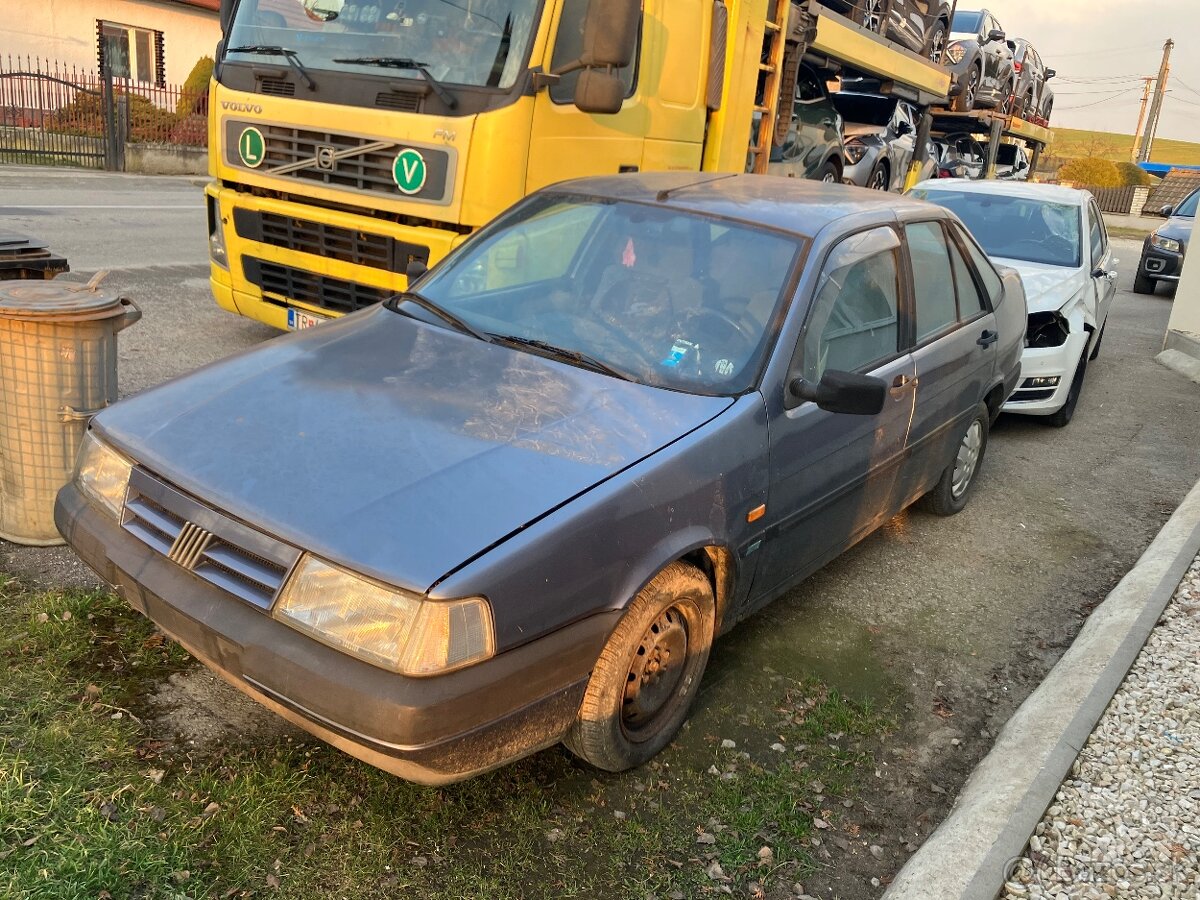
(1050,193)
(788,204)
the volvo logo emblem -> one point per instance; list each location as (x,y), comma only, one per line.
(241,107)
(326,157)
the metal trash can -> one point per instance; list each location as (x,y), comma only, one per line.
(26,257)
(58,367)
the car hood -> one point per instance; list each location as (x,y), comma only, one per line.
(1178,228)
(854,129)
(395,448)
(1047,288)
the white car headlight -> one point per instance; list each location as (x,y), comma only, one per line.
(387,627)
(1162,243)
(102,474)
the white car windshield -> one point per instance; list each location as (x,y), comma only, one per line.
(664,297)
(1020,228)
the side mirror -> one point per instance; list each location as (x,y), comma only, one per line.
(610,31)
(1168,211)
(416,268)
(996,35)
(227,7)
(1050,73)
(843,392)
(599,91)
(904,128)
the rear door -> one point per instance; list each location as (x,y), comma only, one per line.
(955,349)
(833,476)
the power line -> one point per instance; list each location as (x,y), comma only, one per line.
(1183,84)
(1111,50)
(1098,102)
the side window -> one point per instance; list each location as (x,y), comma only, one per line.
(970,302)
(808,88)
(854,322)
(568,47)
(987,272)
(1099,236)
(933,281)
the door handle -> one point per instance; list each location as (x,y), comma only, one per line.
(902,383)
(988,338)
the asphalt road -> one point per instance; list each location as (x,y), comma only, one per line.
(955,620)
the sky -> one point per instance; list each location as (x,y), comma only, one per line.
(1102,49)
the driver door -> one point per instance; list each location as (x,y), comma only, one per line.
(1105,285)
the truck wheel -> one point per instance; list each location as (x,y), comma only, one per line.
(953,489)
(1063,417)
(648,673)
(1144,284)
(965,101)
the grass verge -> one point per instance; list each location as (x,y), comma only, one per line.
(95,804)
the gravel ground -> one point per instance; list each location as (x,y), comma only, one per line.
(1126,823)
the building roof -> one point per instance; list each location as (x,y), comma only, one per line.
(1173,189)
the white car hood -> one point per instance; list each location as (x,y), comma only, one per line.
(1047,288)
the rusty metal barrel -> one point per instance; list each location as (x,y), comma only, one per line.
(58,367)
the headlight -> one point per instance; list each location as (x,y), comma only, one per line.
(955,52)
(855,153)
(1162,243)
(102,474)
(389,628)
(216,235)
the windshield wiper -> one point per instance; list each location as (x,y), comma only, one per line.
(444,314)
(404,62)
(291,56)
(577,357)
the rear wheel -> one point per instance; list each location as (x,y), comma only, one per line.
(1048,110)
(873,16)
(965,101)
(952,491)
(1063,417)
(1028,108)
(647,675)
(1144,284)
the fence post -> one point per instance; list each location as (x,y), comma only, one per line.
(114,130)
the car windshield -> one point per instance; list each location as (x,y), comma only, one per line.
(966,22)
(1006,154)
(1015,227)
(1188,206)
(481,43)
(666,298)
(864,109)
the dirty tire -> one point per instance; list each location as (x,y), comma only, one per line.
(1063,417)
(965,101)
(1099,341)
(829,174)
(949,496)
(1143,284)
(625,719)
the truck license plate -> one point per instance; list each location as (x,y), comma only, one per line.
(298,319)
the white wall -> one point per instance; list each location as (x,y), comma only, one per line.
(65,30)
(1185,312)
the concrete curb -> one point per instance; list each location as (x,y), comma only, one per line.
(971,853)
(1181,363)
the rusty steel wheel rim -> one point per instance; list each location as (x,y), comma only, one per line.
(655,672)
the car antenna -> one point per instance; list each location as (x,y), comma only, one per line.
(665,194)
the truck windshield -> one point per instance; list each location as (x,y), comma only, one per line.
(664,297)
(481,43)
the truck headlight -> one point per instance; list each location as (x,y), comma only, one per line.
(955,52)
(1163,243)
(102,474)
(216,235)
(390,628)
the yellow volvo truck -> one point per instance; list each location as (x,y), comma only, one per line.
(356,141)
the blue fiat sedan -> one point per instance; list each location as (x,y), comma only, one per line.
(516,504)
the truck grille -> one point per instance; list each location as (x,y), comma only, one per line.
(289,283)
(239,560)
(371,171)
(330,241)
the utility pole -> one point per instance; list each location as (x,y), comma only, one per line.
(1160,90)
(1137,135)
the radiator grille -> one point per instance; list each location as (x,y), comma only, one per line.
(363,248)
(289,283)
(371,171)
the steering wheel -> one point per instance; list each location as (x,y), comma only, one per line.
(725,319)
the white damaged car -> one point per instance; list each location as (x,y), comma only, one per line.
(1055,237)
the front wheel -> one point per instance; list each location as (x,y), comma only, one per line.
(1063,417)
(879,180)
(829,173)
(648,673)
(936,45)
(965,101)
(953,489)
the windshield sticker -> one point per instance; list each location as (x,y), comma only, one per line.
(629,257)
(724,368)
(679,352)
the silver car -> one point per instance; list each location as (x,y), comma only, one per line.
(881,137)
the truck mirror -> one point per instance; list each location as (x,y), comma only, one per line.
(227,7)
(599,91)
(610,31)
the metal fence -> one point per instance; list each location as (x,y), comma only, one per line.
(51,113)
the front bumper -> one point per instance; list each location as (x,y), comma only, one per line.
(1047,362)
(429,730)
(1162,265)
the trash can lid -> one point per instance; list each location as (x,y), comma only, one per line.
(46,300)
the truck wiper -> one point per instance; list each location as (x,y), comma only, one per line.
(576,357)
(291,56)
(403,62)
(441,312)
